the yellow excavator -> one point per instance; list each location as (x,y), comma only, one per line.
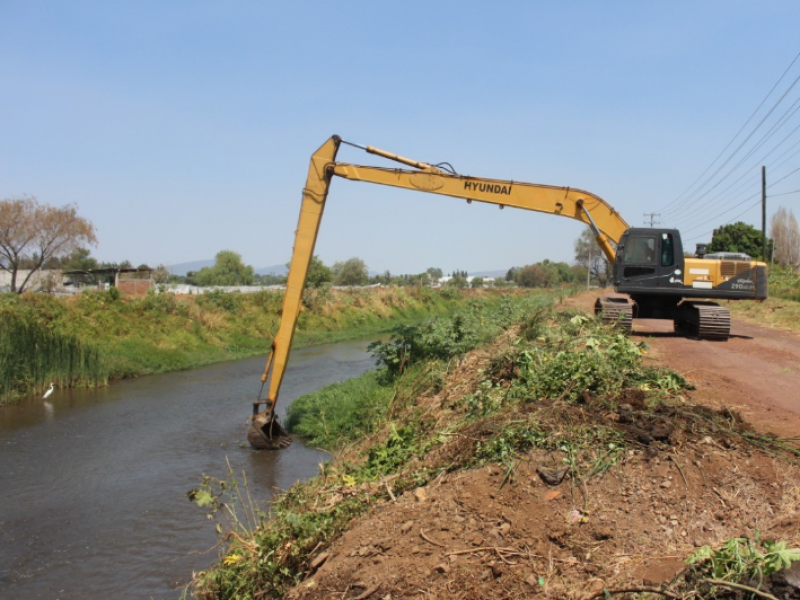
(649,266)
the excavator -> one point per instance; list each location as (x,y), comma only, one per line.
(651,275)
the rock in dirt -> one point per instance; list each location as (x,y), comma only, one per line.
(551,476)
(786,583)
(601,533)
(319,560)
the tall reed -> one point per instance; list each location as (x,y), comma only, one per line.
(33,356)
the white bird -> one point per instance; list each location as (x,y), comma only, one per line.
(48,392)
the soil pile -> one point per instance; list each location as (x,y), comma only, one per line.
(690,477)
(533,530)
(558,462)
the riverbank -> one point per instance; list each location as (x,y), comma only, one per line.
(114,337)
(558,460)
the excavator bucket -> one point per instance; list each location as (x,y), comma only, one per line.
(265,433)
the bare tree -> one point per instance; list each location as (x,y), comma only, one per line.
(33,233)
(786,237)
(588,254)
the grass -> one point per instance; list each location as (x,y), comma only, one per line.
(781,309)
(32,356)
(116,336)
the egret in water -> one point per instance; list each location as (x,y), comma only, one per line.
(48,392)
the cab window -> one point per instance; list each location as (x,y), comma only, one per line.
(640,250)
(667,250)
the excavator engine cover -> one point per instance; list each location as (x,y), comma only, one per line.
(265,433)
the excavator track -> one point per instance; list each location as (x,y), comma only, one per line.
(615,311)
(704,320)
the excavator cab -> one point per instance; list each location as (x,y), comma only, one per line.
(649,260)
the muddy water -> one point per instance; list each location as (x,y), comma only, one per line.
(93,482)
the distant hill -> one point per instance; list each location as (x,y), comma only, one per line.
(273,270)
(196,265)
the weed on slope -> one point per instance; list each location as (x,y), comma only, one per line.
(549,461)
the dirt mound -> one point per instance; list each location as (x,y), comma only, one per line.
(490,533)
(690,477)
(560,461)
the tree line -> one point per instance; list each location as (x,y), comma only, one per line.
(36,236)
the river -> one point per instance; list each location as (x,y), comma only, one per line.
(93,482)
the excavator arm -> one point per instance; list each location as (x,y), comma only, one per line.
(608,226)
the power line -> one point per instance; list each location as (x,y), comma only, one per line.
(652,217)
(785,193)
(704,208)
(683,199)
(750,207)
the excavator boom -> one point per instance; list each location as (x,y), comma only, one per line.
(264,431)
(649,264)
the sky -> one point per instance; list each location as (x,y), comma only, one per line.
(180,128)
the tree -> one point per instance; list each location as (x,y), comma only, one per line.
(545,274)
(477,282)
(161,274)
(739,237)
(458,279)
(228,270)
(785,236)
(32,234)
(435,273)
(589,255)
(79,260)
(318,273)
(351,272)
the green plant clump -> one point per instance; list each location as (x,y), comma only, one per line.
(443,338)
(341,412)
(32,356)
(742,561)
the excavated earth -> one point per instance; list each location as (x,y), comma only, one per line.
(525,532)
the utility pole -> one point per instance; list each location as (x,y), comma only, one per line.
(652,217)
(764,213)
(589,270)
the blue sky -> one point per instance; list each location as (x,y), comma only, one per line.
(184,128)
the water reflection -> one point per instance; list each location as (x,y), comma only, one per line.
(93,481)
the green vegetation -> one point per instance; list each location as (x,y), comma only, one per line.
(547,274)
(342,412)
(353,271)
(550,384)
(345,412)
(112,336)
(741,564)
(784,282)
(227,270)
(740,237)
(32,355)
(781,309)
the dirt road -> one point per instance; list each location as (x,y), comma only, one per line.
(756,372)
